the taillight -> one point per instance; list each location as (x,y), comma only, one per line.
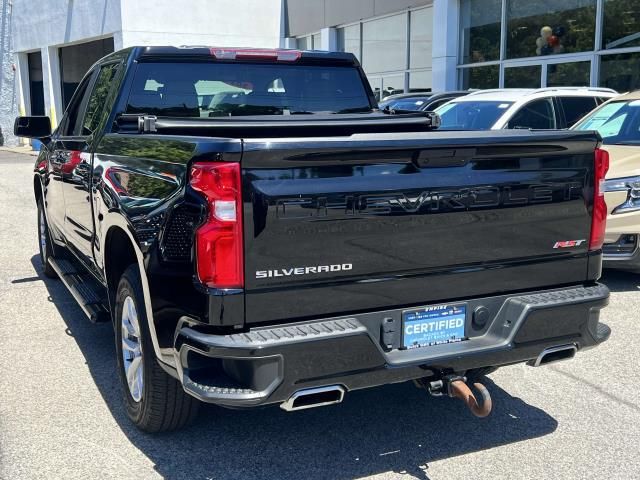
(219,256)
(280,55)
(599,218)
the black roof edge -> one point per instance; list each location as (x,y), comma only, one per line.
(149,52)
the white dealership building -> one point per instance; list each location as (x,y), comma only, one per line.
(403,45)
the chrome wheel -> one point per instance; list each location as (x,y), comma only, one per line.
(43,237)
(132,349)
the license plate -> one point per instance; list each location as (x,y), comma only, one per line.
(433,325)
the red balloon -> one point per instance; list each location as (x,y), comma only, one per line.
(554,40)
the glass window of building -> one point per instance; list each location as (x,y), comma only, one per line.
(420,44)
(349,39)
(549,27)
(480,77)
(543,31)
(392,63)
(621,24)
(480,30)
(574,74)
(392,84)
(620,72)
(316,43)
(384,44)
(304,43)
(523,77)
(420,81)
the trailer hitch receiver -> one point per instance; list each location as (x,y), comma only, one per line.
(455,386)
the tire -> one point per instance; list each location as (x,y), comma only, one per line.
(44,243)
(156,401)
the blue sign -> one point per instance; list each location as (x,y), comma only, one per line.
(433,325)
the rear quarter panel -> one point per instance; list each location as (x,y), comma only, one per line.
(140,185)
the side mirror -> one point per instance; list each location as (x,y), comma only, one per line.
(32,127)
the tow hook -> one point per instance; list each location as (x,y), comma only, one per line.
(455,386)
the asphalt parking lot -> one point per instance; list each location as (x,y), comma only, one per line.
(61,415)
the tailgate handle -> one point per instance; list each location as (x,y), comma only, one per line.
(453,157)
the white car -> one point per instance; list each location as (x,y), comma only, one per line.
(542,108)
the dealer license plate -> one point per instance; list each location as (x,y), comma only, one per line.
(433,325)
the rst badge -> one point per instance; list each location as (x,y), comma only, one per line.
(569,243)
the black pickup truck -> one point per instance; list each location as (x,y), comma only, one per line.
(260,233)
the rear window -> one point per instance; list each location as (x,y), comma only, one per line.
(407,103)
(238,89)
(473,115)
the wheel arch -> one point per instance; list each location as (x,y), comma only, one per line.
(119,253)
(120,249)
(37,187)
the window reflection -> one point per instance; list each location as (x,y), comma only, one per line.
(523,77)
(543,30)
(548,27)
(480,30)
(621,24)
(575,74)
(620,72)
(480,77)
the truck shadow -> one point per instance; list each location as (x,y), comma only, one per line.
(396,428)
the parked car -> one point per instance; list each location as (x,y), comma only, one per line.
(618,122)
(543,108)
(423,102)
(302,244)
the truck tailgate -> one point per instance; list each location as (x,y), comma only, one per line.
(348,224)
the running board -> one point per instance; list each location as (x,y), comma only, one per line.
(84,289)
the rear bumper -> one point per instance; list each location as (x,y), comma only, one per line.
(267,365)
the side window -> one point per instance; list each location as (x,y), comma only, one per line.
(438,103)
(576,107)
(71,121)
(97,100)
(537,114)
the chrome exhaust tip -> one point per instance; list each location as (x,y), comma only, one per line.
(314,397)
(554,354)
